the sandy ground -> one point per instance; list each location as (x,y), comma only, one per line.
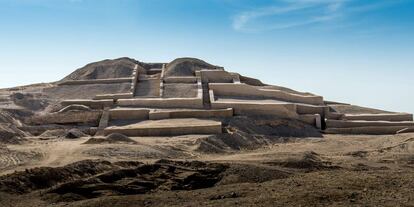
(365,171)
(338,149)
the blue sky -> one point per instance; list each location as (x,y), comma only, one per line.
(357,51)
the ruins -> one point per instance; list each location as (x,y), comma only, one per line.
(186,96)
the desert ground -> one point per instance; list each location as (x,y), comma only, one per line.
(334,170)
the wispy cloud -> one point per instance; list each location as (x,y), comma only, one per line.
(283,14)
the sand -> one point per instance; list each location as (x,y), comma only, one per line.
(333,170)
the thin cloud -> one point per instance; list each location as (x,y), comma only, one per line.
(284,14)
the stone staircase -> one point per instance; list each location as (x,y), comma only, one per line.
(148,87)
(104,121)
(206,96)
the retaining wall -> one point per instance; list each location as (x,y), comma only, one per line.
(366,130)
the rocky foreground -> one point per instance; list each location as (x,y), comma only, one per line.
(335,170)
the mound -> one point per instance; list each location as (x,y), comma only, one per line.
(11,135)
(243,173)
(186,67)
(310,161)
(116,137)
(272,126)
(251,81)
(117,68)
(84,91)
(111,139)
(254,132)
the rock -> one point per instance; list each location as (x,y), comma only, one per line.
(74,134)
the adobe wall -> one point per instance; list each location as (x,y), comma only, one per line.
(217,113)
(311,119)
(96,81)
(241,89)
(379,117)
(280,110)
(94,104)
(114,96)
(180,79)
(334,115)
(163,102)
(129,113)
(196,102)
(166,131)
(310,109)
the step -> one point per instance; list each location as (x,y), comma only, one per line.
(371,130)
(190,113)
(350,124)
(153,71)
(167,127)
(379,117)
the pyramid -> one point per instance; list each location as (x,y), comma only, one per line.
(185,96)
